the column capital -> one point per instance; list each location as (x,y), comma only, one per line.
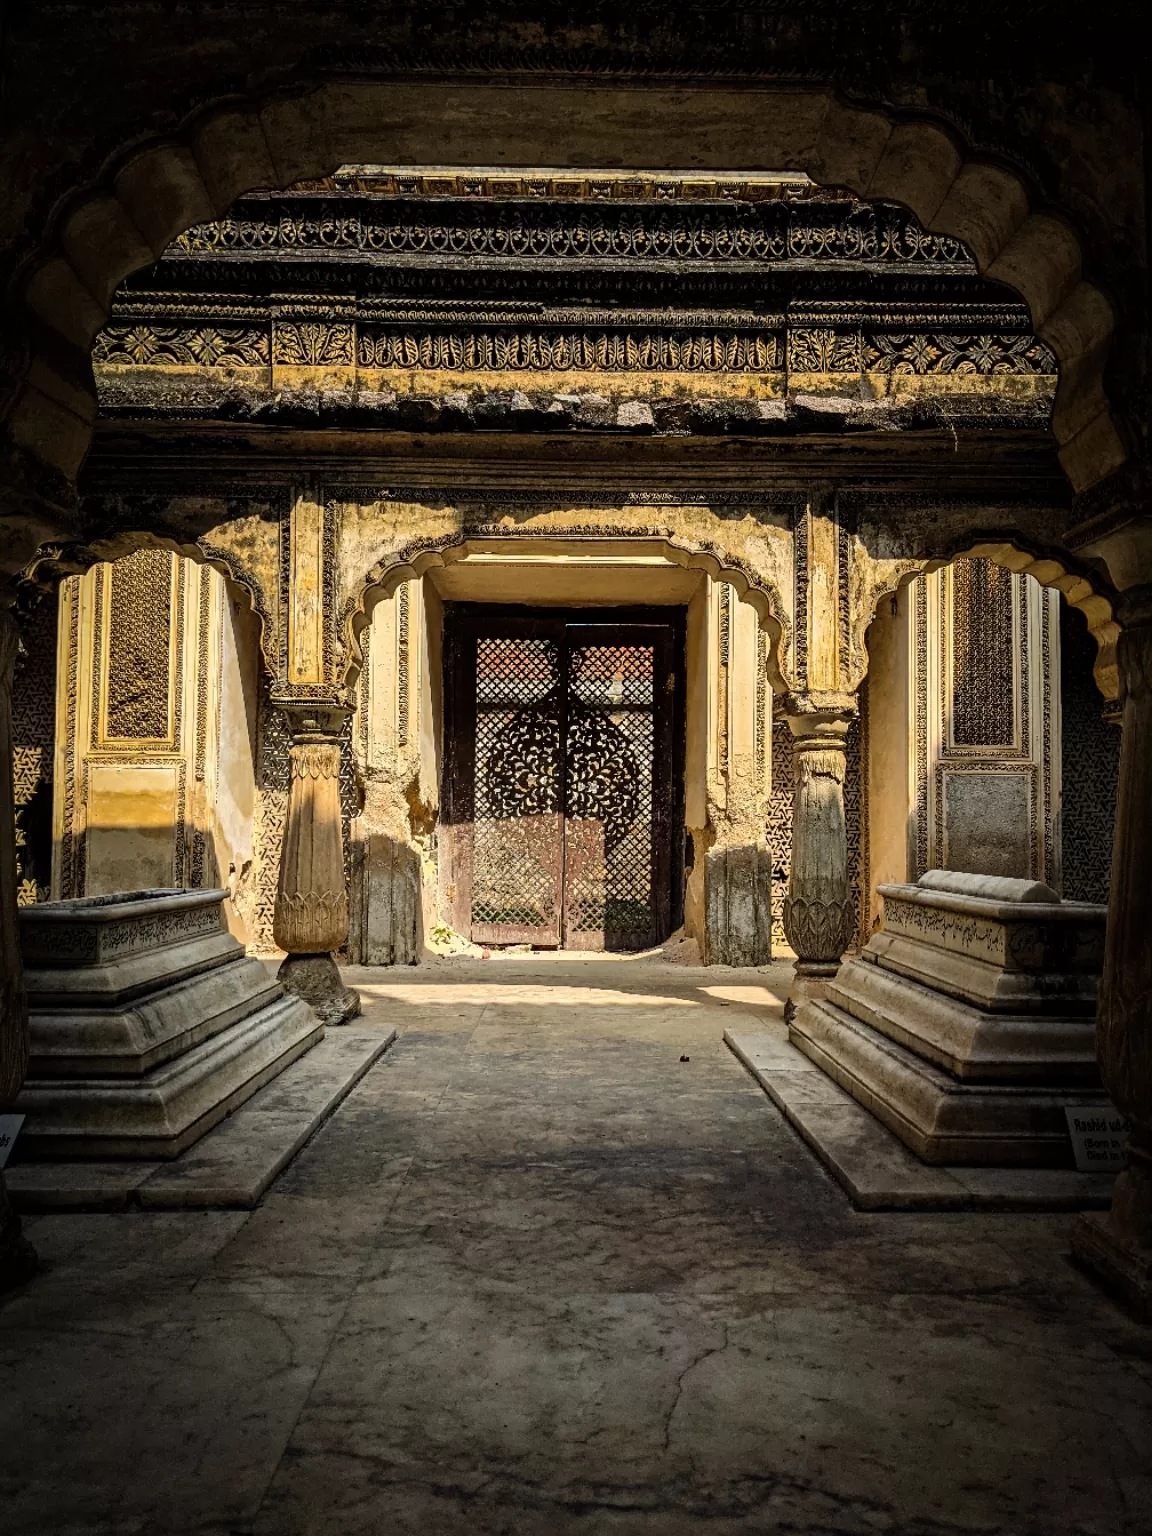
(1134,607)
(819,717)
(313,714)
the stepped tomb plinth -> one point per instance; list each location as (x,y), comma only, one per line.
(967,1023)
(148,1024)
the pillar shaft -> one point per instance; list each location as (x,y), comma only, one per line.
(17,1257)
(311,915)
(1119,1247)
(819,911)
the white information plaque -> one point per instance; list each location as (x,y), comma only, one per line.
(9,1130)
(1098,1138)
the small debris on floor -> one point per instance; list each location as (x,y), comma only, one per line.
(685,1058)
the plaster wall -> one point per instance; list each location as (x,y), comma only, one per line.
(155,731)
(132,812)
(233,808)
(964,728)
(890,702)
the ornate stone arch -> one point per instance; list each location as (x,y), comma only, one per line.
(151,193)
(1050,570)
(56,561)
(757,588)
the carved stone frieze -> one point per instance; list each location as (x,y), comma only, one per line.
(313,343)
(735,231)
(196,346)
(608,351)
(942,352)
(471,344)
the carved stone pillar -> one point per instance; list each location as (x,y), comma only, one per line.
(311,916)
(1118,1247)
(819,912)
(17,1256)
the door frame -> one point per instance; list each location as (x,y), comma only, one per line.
(454,835)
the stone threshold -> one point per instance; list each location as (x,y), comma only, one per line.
(876,1169)
(230,1167)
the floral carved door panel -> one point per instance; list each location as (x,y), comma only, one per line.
(517,789)
(561,790)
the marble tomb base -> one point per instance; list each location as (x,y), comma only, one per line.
(148,1024)
(967,1024)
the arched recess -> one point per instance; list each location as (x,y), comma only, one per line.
(1048,570)
(149,195)
(406,565)
(53,562)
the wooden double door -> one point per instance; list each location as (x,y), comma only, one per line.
(560,785)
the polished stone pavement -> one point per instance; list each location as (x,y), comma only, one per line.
(538,1276)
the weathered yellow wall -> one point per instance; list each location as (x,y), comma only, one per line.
(132,814)
(888,768)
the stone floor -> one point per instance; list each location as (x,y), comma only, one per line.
(539,1274)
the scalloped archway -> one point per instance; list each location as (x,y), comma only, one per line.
(150,194)
(718,564)
(1048,570)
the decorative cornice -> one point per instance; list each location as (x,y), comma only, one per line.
(766,233)
(579,185)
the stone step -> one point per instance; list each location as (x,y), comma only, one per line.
(131,1039)
(941,1118)
(966,1041)
(165,1111)
(236,1162)
(873,1166)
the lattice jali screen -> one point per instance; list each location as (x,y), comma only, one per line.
(517,804)
(33,743)
(983,655)
(611,740)
(139,681)
(1090,763)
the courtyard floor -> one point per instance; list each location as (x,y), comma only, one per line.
(539,1275)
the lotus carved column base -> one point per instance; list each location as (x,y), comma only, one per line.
(316,979)
(1117,1247)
